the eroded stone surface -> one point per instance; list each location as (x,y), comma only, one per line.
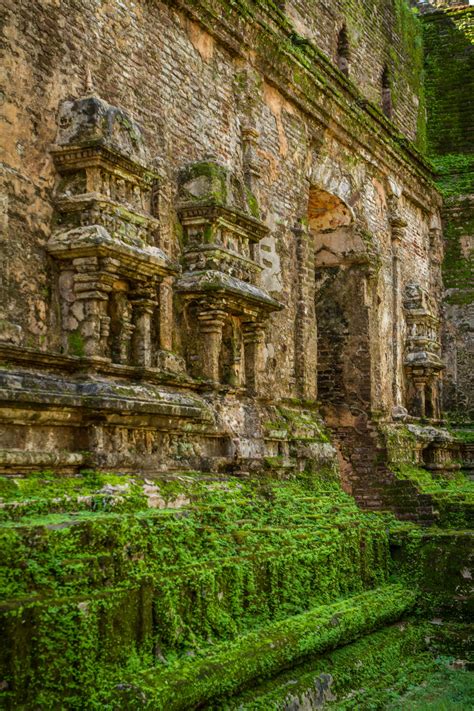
(193,237)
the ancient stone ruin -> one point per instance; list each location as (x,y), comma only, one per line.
(236,340)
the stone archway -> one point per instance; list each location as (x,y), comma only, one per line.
(341,304)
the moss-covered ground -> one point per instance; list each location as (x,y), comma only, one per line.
(444,689)
(218,580)
(383,670)
(453,496)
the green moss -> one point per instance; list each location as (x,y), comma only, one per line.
(252,204)
(458,267)
(365,674)
(466,436)
(76,344)
(445,689)
(400,444)
(453,497)
(449,71)
(258,655)
(234,555)
(455,174)
(435,561)
(459,484)
(217,181)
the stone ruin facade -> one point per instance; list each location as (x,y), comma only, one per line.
(194,234)
(235,321)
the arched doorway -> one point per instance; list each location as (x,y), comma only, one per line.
(341,303)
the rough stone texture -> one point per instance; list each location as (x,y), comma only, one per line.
(449,36)
(220,302)
(191,194)
(386,32)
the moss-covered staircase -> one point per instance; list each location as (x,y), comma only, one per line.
(182,590)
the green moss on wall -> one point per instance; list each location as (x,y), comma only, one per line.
(458,265)
(453,497)
(89,568)
(449,70)
(366,674)
(76,344)
(191,683)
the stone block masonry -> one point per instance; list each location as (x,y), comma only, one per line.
(221,337)
(111,271)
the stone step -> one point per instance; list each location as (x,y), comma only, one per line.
(191,683)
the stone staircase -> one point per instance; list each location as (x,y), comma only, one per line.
(374,486)
(103,573)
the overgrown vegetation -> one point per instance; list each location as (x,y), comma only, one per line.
(108,579)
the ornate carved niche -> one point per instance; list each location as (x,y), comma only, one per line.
(226,307)
(106,235)
(422,360)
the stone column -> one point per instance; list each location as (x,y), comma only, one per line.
(419,400)
(305,334)
(210,328)
(143,306)
(91,287)
(397,225)
(126,331)
(166,314)
(253,334)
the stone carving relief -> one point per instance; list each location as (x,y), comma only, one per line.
(106,236)
(422,360)
(219,286)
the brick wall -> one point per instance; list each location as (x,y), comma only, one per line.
(191,76)
(449,36)
(380,34)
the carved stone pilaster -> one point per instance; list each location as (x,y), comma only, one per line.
(91,288)
(397,232)
(253,335)
(436,259)
(166,314)
(305,368)
(210,328)
(143,306)
(251,161)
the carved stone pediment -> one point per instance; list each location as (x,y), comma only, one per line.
(90,120)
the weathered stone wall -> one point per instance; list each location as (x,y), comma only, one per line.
(458,331)
(208,229)
(448,36)
(234,86)
(449,59)
(382,34)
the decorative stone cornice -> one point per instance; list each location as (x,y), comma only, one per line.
(234,295)
(232,218)
(75,157)
(129,260)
